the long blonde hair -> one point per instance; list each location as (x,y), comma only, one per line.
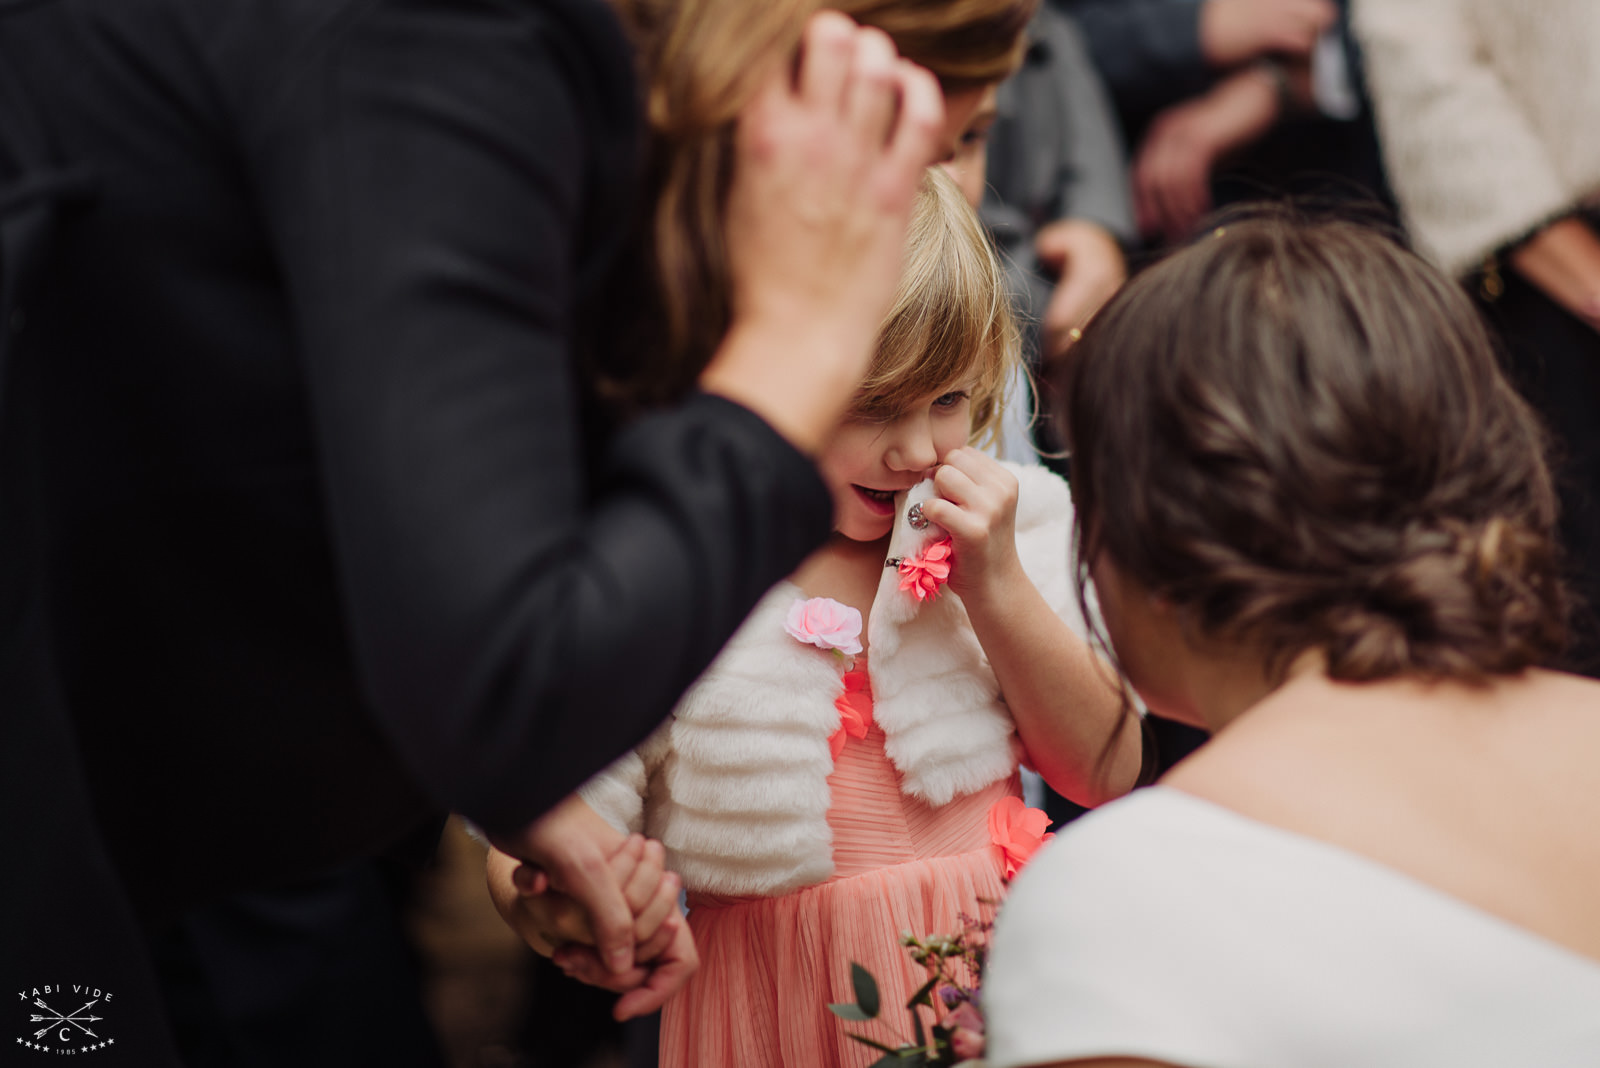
(951,323)
(700,60)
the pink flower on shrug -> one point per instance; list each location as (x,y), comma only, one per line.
(825,623)
(925,572)
(1018,830)
(855,709)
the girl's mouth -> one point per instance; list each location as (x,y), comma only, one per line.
(879,502)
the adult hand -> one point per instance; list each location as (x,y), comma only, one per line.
(667,960)
(560,926)
(1234,32)
(1563,261)
(548,919)
(829,155)
(1091,268)
(1172,169)
(574,850)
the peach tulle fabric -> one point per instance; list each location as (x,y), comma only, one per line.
(769,966)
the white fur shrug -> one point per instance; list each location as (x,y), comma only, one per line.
(734,784)
(1486,109)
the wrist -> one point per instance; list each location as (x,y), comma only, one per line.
(797,376)
(1002,590)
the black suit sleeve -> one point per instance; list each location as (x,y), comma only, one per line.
(429,172)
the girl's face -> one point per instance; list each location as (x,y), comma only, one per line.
(868,461)
(966,146)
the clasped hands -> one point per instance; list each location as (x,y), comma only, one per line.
(599,903)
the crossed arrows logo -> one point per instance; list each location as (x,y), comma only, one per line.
(76,1019)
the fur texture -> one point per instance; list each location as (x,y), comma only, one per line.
(735,783)
(1486,111)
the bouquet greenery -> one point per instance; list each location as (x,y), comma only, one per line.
(954,1035)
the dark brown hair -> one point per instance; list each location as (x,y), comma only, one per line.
(1297,433)
(701,60)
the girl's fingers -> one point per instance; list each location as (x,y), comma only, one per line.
(670,970)
(661,908)
(874,90)
(827,52)
(639,887)
(662,936)
(583,964)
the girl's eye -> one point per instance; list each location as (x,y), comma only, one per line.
(951,399)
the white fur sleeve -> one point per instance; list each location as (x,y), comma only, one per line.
(1046,542)
(618,793)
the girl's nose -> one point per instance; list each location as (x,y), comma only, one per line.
(911,446)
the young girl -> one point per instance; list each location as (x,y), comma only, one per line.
(846,770)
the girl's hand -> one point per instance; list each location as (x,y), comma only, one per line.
(979,510)
(557,926)
(829,157)
(576,851)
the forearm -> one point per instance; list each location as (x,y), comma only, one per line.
(1062,696)
(1563,261)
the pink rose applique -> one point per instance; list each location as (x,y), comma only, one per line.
(1018,830)
(925,572)
(825,623)
(855,709)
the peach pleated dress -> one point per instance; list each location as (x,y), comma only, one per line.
(769,966)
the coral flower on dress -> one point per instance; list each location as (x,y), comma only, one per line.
(855,709)
(1018,830)
(825,623)
(925,572)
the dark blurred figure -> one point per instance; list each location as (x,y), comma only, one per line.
(1487,117)
(1233,100)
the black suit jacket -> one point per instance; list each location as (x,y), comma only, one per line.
(331,532)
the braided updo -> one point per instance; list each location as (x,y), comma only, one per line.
(1297,434)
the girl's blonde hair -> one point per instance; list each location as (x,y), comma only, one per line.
(702,61)
(951,323)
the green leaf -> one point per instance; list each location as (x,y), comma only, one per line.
(847,1011)
(918,1059)
(866,989)
(865,1041)
(888,1060)
(916,1024)
(924,996)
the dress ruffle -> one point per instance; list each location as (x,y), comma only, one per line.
(769,966)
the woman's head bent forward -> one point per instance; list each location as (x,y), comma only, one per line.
(1295,434)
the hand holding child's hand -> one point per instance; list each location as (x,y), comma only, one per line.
(979,510)
(601,904)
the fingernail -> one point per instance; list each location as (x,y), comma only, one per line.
(619,960)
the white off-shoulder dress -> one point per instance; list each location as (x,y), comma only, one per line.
(1166,927)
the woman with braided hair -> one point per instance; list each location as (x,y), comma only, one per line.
(1320,525)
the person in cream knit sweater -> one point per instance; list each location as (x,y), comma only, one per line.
(1486,114)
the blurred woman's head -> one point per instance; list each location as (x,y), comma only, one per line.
(1296,436)
(702,61)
